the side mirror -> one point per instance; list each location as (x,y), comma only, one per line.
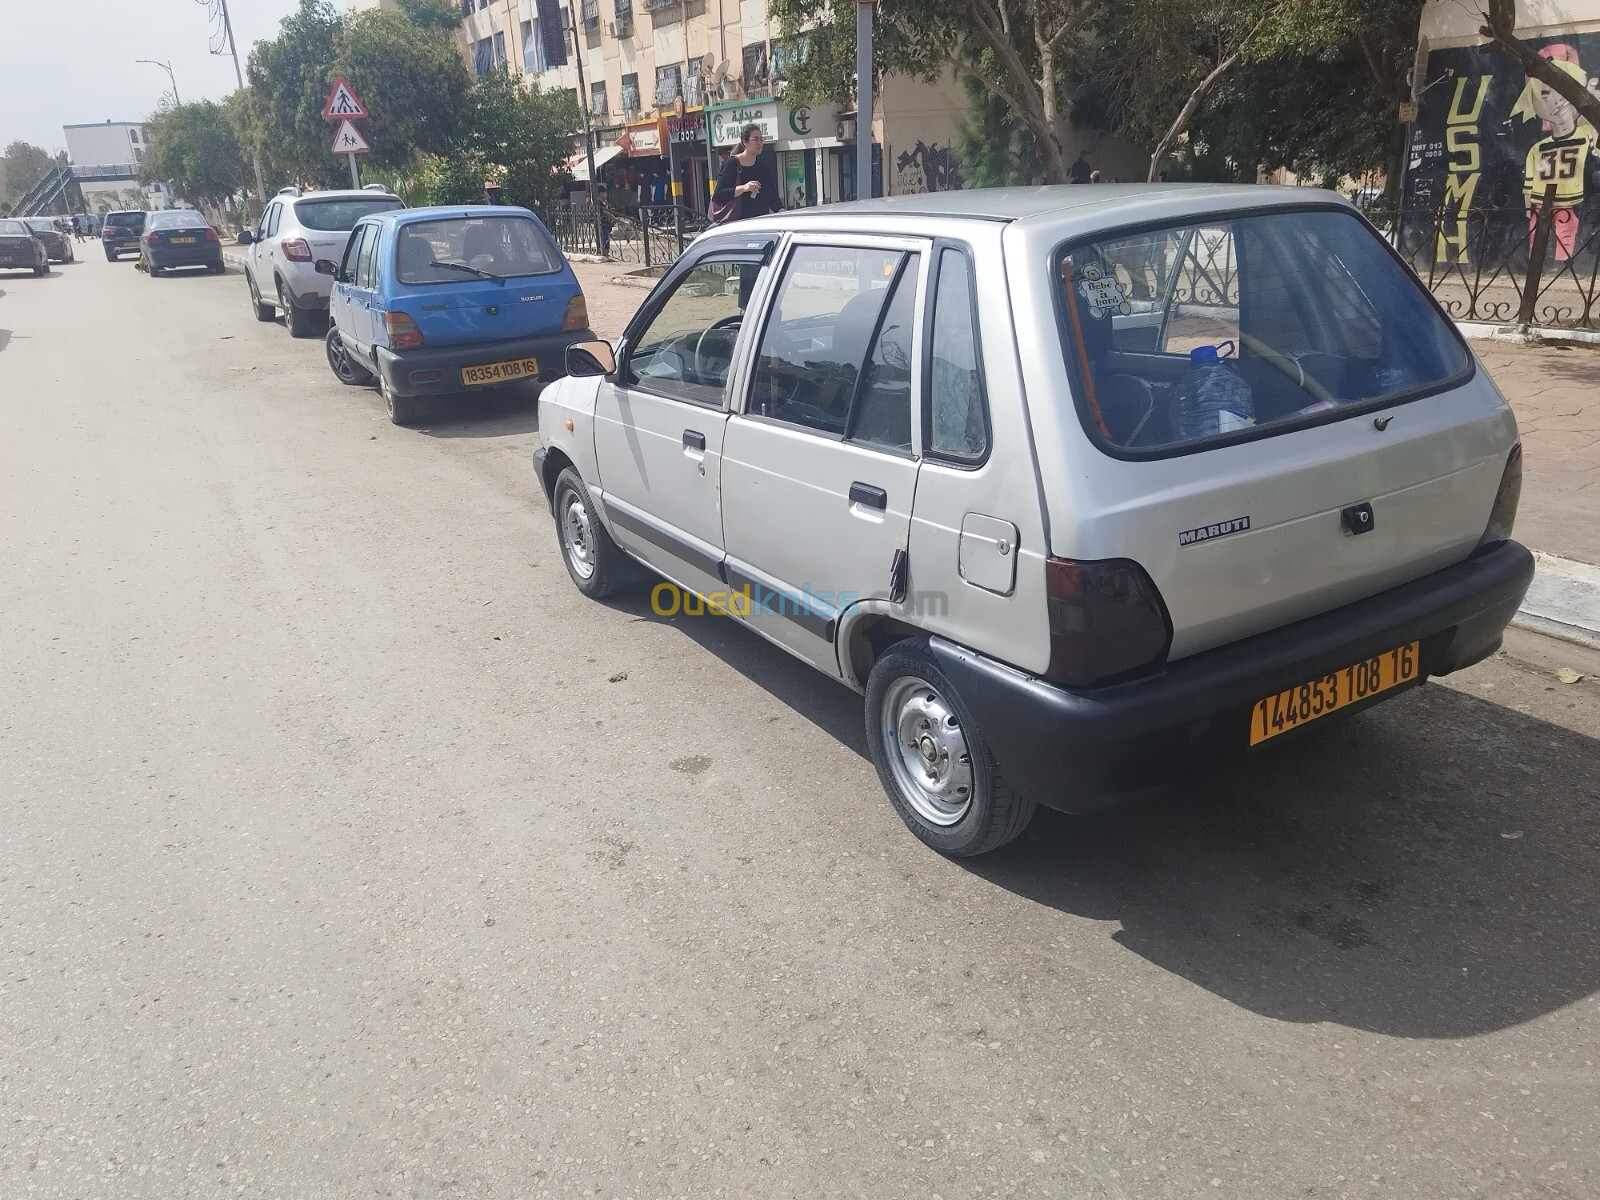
(590,358)
(326,266)
(246,238)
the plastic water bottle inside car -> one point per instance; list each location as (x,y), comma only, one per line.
(1212,397)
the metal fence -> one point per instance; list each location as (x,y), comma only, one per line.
(652,236)
(1517,264)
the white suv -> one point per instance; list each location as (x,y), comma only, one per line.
(1082,487)
(296,230)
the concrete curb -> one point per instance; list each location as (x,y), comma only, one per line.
(1564,600)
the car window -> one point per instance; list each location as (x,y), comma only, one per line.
(13,229)
(1186,335)
(687,347)
(352,248)
(366,264)
(816,340)
(333,215)
(177,220)
(505,246)
(881,413)
(269,222)
(955,386)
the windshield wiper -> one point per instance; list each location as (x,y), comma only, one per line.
(478,271)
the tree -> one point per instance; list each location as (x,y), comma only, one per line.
(431,14)
(1022,51)
(991,146)
(194,146)
(516,133)
(409,76)
(26,164)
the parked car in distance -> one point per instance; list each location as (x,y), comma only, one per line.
(21,249)
(435,301)
(297,228)
(57,245)
(180,237)
(1083,488)
(121,231)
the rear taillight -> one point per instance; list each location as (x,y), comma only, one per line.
(211,235)
(295,249)
(1504,513)
(402,330)
(1106,620)
(577,316)
(149,239)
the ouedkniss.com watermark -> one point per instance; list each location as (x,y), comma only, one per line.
(669,600)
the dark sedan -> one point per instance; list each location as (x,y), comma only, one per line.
(180,238)
(20,250)
(57,245)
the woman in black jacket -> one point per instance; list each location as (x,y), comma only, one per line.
(750,183)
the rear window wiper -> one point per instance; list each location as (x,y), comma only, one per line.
(478,271)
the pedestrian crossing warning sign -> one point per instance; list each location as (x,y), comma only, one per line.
(342,102)
(349,140)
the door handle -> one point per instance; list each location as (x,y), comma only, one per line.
(868,496)
(693,440)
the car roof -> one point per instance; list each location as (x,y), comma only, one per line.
(405,216)
(1089,205)
(345,194)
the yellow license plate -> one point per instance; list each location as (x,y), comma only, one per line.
(183,241)
(1296,706)
(500,372)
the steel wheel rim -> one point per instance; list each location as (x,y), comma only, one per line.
(927,751)
(577,534)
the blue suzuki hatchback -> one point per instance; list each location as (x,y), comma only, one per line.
(438,301)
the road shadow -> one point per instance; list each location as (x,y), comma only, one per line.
(505,412)
(5,335)
(1424,870)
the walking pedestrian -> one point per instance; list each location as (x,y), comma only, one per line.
(746,187)
(77,226)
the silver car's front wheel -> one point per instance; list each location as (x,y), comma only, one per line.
(593,560)
(933,758)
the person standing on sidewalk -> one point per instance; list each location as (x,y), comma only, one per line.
(746,187)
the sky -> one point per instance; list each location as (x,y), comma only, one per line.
(71,64)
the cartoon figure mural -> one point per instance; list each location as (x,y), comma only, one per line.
(1488,143)
(926,168)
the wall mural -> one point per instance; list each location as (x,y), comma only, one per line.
(1489,142)
(926,168)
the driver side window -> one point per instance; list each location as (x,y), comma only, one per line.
(347,267)
(686,349)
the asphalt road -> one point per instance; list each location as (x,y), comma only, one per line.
(346,851)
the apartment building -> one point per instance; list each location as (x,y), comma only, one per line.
(669,84)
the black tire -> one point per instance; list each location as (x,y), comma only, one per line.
(112,256)
(345,367)
(906,692)
(301,321)
(595,562)
(265,313)
(40,271)
(402,409)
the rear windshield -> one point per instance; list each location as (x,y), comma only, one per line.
(13,229)
(1245,326)
(43,226)
(121,220)
(177,220)
(335,215)
(502,246)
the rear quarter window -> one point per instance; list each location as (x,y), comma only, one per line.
(1243,326)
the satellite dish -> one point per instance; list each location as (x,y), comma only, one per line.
(720,73)
(708,63)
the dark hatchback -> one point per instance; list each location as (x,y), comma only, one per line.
(180,238)
(120,231)
(57,245)
(20,250)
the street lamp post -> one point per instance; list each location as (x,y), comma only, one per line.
(588,131)
(865,11)
(167,67)
(222,43)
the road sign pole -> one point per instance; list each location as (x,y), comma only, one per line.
(355,172)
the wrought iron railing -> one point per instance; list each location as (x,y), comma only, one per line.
(651,235)
(1511,265)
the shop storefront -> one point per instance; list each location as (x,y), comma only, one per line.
(814,164)
(686,157)
(645,173)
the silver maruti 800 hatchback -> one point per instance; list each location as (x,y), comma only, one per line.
(1082,487)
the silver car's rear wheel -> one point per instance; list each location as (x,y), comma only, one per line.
(929,758)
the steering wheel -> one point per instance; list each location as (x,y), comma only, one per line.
(1287,367)
(699,352)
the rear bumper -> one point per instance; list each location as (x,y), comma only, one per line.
(399,367)
(1081,751)
(116,245)
(207,255)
